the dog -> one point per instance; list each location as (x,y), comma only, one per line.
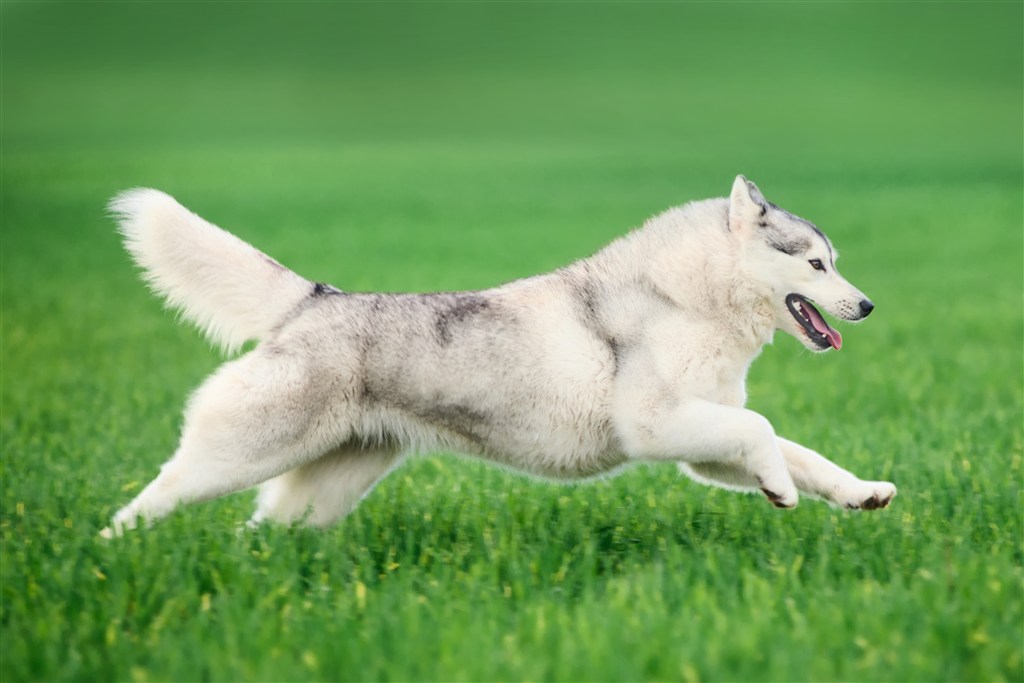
(638,353)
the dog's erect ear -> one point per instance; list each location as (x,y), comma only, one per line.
(746,204)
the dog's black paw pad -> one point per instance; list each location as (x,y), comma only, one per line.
(875,502)
(775,499)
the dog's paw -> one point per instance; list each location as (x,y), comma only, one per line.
(780,494)
(124,520)
(781,501)
(115,530)
(873,495)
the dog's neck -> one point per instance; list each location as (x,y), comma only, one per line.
(688,256)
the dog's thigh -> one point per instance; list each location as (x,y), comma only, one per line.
(325,490)
(252,420)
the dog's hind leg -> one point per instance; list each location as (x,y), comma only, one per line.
(324,490)
(255,418)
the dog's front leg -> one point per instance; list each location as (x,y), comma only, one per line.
(701,433)
(818,476)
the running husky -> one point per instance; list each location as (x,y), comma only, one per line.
(638,353)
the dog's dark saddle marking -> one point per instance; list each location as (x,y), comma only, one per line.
(460,308)
(323,289)
(586,300)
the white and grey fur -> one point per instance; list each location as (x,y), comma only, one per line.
(638,353)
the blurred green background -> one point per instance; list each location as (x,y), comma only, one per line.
(432,146)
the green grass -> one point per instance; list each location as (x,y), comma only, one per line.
(450,146)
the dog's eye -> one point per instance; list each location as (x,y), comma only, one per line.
(816,264)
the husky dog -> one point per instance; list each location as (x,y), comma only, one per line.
(638,353)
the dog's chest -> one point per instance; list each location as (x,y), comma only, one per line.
(687,358)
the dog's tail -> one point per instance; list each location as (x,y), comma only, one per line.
(229,289)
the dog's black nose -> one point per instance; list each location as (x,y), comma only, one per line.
(866,307)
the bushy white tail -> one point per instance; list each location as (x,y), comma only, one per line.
(229,289)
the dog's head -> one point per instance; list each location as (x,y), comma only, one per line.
(794,264)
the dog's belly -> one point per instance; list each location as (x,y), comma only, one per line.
(538,435)
(566,450)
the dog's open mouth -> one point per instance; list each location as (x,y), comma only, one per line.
(819,331)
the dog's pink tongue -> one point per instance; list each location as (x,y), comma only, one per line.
(834,338)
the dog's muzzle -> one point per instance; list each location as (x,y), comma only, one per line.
(818,331)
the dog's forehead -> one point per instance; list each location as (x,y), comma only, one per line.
(802,230)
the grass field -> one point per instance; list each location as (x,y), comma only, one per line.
(450,146)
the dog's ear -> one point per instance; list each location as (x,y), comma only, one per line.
(746,204)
